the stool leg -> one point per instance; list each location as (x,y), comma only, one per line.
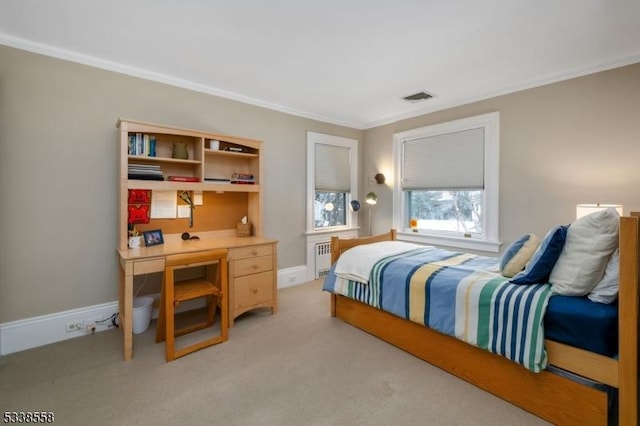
(212,303)
(223,299)
(169,314)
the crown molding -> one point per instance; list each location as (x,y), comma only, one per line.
(68,55)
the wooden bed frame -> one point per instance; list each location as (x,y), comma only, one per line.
(550,396)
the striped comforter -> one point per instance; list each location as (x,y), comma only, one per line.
(458,295)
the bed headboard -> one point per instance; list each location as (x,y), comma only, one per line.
(338,246)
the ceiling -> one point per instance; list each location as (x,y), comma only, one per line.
(347,62)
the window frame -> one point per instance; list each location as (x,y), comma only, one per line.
(314,138)
(489,242)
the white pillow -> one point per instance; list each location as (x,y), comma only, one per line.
(606,291)
(590,242)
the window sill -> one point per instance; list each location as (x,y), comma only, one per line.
(456,242)
(336,230)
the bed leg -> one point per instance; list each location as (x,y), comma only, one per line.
(333,305)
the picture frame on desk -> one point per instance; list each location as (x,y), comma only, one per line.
(153,237)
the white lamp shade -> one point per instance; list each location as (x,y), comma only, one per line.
(585,209)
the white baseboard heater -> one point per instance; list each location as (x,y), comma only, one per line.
(323,259)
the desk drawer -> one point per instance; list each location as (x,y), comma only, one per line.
(253,290)
(252,266)
(252,251)
(148,266)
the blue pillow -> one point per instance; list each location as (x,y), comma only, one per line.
(539,267)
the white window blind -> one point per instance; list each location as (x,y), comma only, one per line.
(445,162)
(332,171)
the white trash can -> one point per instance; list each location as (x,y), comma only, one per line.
(142,307)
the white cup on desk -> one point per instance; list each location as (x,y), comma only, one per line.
(135,242)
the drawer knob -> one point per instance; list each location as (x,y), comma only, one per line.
(254,290)
(254,266)
(255,252)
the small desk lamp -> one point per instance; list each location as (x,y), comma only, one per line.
(585,209)
(187,199)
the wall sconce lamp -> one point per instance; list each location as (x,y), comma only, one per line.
(355,205)
(379,178)
(585,209)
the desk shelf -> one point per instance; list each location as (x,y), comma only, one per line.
(208,156)
(191,186)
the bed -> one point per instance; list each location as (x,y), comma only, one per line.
(573,386)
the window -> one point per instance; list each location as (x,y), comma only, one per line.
(446,186)
(331,180)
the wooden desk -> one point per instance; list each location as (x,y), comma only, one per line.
(252,273)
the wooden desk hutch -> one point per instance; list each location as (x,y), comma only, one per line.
(212,160)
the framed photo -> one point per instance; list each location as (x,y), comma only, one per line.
(153,238)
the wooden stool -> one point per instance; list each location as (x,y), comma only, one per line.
(214,286)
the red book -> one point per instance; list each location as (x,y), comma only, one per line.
(184,179)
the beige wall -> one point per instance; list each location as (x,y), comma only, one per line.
(571,142)
(561,144)
(58,183)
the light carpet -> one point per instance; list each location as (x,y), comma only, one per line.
(298,367)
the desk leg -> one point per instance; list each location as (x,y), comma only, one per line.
(126,308)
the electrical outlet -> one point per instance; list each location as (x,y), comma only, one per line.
(94,323)
(74,326)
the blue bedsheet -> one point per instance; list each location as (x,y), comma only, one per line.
(579,322)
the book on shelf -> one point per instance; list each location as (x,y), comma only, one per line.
(242,178)
(144,177)
(144,166)
(142,144)
(245,176)
(144,171)
(217,180)
(152,146)
(183,178)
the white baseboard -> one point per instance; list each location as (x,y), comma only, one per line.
(20,335)
(39,331)
(292,276)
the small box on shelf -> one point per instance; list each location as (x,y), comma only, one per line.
(213,144)
(244,230)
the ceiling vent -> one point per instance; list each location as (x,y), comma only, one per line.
(417,97)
